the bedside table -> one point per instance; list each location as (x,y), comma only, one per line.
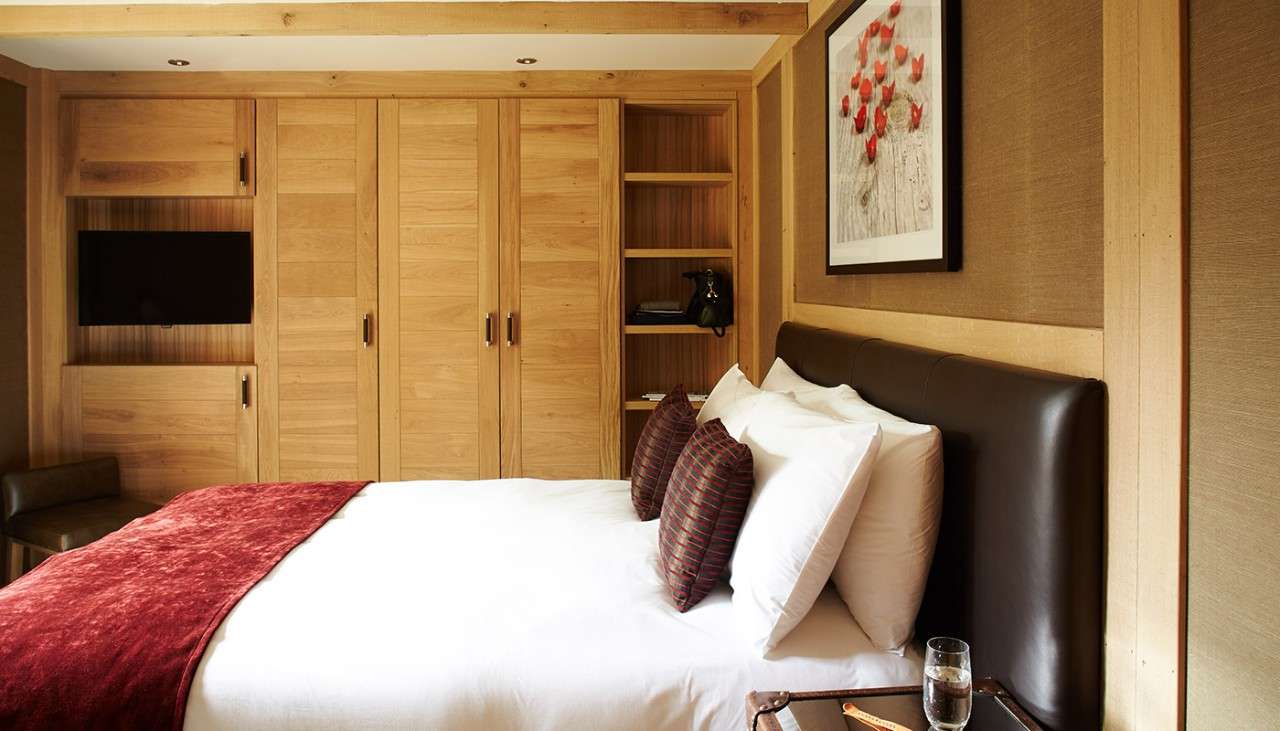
(993,709)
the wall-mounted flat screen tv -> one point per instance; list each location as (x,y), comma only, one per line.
(165,277)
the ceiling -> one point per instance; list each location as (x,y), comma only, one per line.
(386,53)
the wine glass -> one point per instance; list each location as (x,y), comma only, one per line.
(948,683)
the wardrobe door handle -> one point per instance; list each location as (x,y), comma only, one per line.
(366,332)
(488,329)
(244,169)
(244,393)
(511,329)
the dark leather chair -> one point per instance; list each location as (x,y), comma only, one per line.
(56,509)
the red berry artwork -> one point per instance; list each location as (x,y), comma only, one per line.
(879,51)
(917,112)
(886,93)
(917,68)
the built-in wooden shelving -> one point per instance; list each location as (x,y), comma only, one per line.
(674,253)
(680,214)
(646,405)
(679,178)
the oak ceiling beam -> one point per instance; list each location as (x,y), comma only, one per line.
(403,18)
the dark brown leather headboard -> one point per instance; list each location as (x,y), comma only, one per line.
(1018,568)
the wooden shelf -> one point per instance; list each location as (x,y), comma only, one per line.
(670,330)
(670,253)
(644,405)
(679,178)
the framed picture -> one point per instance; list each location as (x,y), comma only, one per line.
(893,142)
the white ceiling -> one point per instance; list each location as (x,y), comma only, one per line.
(384,53)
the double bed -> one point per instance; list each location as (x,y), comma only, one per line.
(530,604)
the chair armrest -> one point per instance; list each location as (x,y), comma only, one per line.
(52,486)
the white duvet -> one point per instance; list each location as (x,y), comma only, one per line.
(506,604)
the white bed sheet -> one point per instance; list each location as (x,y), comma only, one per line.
(505,604)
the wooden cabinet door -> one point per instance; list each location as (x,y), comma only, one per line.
(173,428)
(316,329)
(157,147)
(560,389)
(438,281)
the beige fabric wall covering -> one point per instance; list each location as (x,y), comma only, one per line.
(1233,587)
(13,289)
(1032,173)
(769,172)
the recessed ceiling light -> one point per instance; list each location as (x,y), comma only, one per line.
(179,62)
(526,60)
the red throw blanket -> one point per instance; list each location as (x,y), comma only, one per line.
(109,636)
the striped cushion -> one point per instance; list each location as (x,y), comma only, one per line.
(705,504)
(663,438)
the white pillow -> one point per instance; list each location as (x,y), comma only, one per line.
(811,473)
(731,401)
(882,571)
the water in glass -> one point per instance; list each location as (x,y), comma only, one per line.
(948,684)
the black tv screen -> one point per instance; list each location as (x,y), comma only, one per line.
(165,277)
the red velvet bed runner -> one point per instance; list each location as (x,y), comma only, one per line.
(109,636)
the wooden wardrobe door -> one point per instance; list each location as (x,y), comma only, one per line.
(438,268)
(157,147)
(559,284)
(318,216)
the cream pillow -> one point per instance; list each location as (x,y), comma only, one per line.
(882,571)
(731,401)
(811,473)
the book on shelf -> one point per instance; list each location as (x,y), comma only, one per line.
(656,396)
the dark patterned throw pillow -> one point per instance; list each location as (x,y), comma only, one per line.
(705,504)
(661,441)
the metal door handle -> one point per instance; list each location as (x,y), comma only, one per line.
(244,169)
(511,329)
(488,329)
(244,392)
(367,333)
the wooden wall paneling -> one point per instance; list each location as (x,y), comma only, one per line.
(326,283)
(787,136)
(439,275)
(15,71)
(266,325)
(424,84)
(1145,350)
(173,428)
(14,442)
(768,213)
(398,18)
(509,203)
(153,343)
(367,284)
(389,408)
(746,284)
(556,276)
(47,324)
(156,147)
(610,283)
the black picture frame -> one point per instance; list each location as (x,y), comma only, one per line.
(950,229)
